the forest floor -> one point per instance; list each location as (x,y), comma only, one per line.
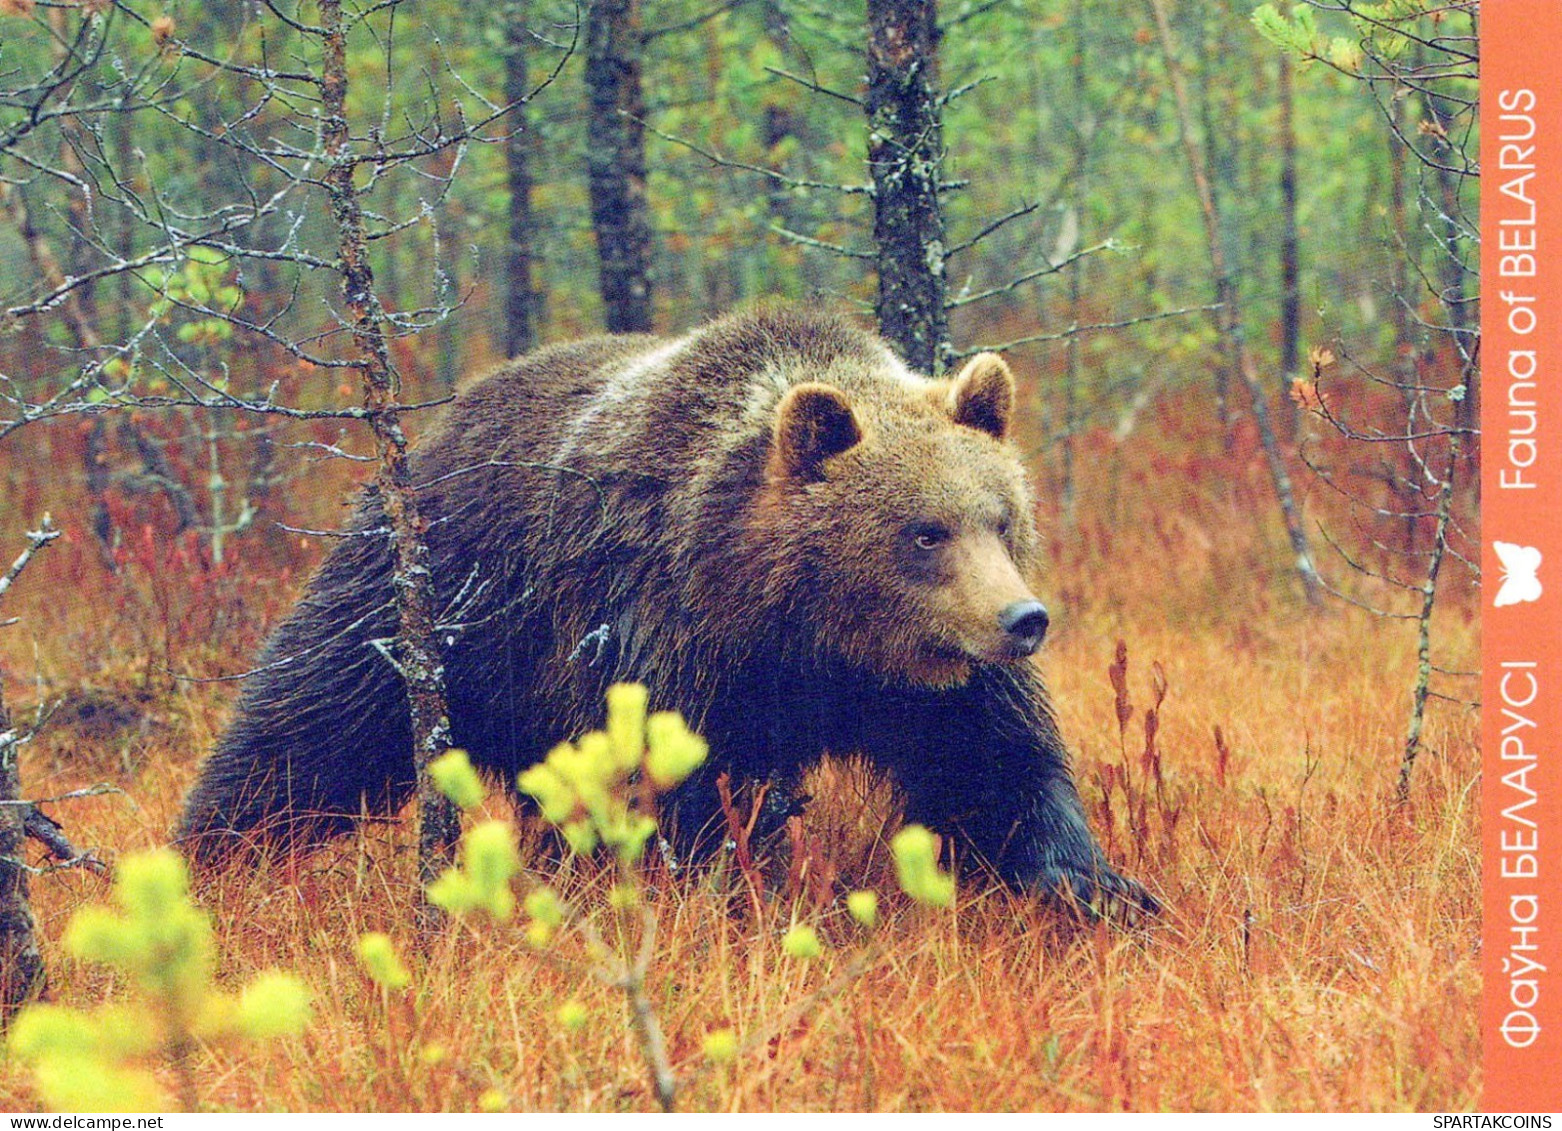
(1318,951)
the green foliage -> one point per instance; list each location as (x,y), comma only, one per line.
(916,867)
(162,944)
(1297,33)
(596,791)
(196,295)
(42,1031)
(586,789)
(384,966)
(489,862)
(599,791)
(77,1059)
(802,942)
(626,723)
(864,907)
(273,1005)
(1387,30)
(720,1045)
(159,938)
(573,1015)
(453,773)
(543,906)
(674,751)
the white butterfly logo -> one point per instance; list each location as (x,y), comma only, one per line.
(1519,567)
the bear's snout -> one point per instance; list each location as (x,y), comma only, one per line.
(1025,624)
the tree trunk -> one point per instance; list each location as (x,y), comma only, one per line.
(520,300)
(1214,163)
(448,361)
(1421,688)
(21,963)
(1403,235)
(1451,280)
(1074,373)
(22,975)
(905,157)
(1290,256)
(1228,316)
(615,161)
(417,648)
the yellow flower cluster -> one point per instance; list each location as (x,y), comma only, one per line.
(162,943)
(596,791)
(383,964)
(916,867)
(489,862)
(585,788)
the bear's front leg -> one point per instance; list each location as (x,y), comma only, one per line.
(985,764)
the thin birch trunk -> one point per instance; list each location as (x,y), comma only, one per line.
(1228,318)
(1290,250)
(1422,686)
(417,649)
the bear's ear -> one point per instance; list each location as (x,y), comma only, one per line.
(813,423)
(983,395)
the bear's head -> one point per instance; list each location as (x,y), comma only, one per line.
(905,523)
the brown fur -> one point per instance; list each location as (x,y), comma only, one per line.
(784,533)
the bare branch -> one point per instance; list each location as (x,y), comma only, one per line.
(809,84)
(989,229)
(1031,275)
(690,24)
(1075,331)
(776,175)
(51,834)
(37,539)
(820,245)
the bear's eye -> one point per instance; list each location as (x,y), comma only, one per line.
(929,535)
(1003,528)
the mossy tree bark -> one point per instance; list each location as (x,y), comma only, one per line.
(416,648)
(521,300)
(22,975)
(905,157)
(21,963)
(615,161)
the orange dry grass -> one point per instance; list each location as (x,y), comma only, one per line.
(1318,951)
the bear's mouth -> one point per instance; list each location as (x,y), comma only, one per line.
(946,653)
(939,664)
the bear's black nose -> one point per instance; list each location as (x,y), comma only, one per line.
(1026,623)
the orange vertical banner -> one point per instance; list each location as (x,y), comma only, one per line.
(1521,499)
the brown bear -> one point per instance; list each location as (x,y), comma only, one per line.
(774,524)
